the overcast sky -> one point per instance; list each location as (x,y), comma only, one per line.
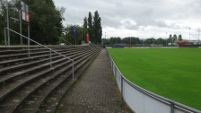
(139,18)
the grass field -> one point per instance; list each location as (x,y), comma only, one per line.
(174,73)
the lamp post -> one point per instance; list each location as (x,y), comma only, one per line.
(7,20)
(166,38)
(189,33)
(105,38)
(198,35)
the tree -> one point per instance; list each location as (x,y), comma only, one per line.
(46,21)
(12,23)
(2,20)
(174,37)
(97,28)
(170,39)
(115,40)
(85,23)
(150,41)
(180,37)
(131,40)
(161,41)
(68,36)
(90,27)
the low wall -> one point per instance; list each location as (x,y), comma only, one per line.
(143,101)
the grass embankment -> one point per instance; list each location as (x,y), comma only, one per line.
(172,73)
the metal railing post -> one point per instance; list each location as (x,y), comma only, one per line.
(50,58)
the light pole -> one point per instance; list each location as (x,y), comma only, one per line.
(166,38)
(198,35)
(7,20)
(189,33)
(105,40)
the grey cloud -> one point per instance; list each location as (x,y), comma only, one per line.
(144,12)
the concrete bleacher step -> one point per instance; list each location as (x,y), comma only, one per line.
(4,79)
(29,78)
(37,99)
(20,80)
(51,103)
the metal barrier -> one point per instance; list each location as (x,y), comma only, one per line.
(143,101)
(51,50)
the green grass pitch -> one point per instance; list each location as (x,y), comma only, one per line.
(174,73)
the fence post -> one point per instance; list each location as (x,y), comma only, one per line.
(172,107)
(122,80)
(115,68)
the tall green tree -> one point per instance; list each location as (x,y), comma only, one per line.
(13,23)
(85,30)
(97,28)
(174,37)
(90,27)
(180,37)
(85,23)
(46,21)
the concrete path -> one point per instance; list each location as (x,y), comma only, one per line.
(95,91)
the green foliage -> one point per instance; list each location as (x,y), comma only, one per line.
(97,28)
(131,40)
(94,27)
(45,21)
(85,24)
(150,41)
(172,73)
(68,37)
(115,40)
(180,38)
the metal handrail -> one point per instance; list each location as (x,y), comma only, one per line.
(51,50)
(164,100)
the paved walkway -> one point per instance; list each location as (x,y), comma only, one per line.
(95,91)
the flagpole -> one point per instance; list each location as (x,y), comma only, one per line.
(7,20)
